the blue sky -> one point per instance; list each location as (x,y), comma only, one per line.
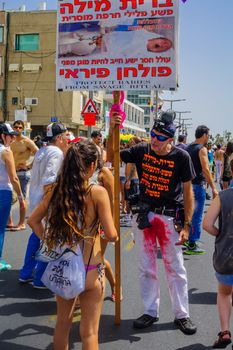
(205,61)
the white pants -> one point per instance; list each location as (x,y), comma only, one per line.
(218,164)
(162,232)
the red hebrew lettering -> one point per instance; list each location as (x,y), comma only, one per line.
(167,3)
(81,4)
(164,71)
(105,3)
(145,70)
(86,72)
(119,73)
(133,70)
(71,73)
(64,7)
(103,72)
(134,4)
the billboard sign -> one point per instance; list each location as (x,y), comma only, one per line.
(117,45)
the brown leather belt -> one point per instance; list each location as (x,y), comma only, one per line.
(22,170)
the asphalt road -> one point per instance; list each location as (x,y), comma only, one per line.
(27,316)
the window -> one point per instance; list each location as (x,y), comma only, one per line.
(15,101)
(27,42)
(1,34)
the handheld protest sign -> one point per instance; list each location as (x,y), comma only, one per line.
(116,163)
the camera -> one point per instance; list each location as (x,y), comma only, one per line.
(140,208)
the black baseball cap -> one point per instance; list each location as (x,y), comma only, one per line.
(165,124)
(53,130)
(6,129)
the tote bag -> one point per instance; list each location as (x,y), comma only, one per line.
(45,254)
(66,275)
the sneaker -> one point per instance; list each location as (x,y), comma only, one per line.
(4,266)
(144,321)
(39,285)
(207,196)
(185,245)
(193,249)
(185,325)
(25,280)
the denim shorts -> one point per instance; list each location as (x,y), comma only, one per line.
(24,178)
(122,179)
(224,279)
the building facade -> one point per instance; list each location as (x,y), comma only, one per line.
(28,77)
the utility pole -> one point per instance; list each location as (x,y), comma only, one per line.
(183,123)
(180,113)
(186,126)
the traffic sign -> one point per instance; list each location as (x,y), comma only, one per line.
(54,119)
(90,107)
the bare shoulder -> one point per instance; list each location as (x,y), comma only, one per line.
(106,172)
(29,142)
(98,191)
(6,153)
(203,151)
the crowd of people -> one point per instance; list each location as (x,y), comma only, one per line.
(163,192)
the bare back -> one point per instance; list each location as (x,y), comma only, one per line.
(218,155)
(98,211)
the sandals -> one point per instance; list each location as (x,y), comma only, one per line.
(221,342)
(18,228)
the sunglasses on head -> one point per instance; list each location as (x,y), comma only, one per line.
(160,138)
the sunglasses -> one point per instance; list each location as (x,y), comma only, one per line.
(18,127)
(160,138)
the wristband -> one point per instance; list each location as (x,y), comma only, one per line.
(188,223)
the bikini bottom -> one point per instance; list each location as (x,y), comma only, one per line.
(101,272)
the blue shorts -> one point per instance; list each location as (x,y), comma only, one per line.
(122,179)
(24,178)
(224,279)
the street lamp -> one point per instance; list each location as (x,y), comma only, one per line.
(171,101)
(183,112)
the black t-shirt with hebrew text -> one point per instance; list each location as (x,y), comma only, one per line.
(161,177)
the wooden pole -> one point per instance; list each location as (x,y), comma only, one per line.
(116,163)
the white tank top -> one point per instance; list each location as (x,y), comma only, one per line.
(5,183)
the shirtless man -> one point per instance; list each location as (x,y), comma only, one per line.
(218,159)
(23,148)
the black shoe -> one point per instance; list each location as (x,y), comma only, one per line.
(144,321)
(185,325)
(207,196)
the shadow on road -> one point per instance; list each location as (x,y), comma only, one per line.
(207,298)
(22,332)
(109,332)
(11,288)
(29,309)
(196,347)
(8,346)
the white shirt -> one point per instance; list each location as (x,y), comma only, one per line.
(46,165)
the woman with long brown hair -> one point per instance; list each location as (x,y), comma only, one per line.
(73,211)
(226,170)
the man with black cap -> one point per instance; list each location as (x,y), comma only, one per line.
(45,167)
(164,208)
